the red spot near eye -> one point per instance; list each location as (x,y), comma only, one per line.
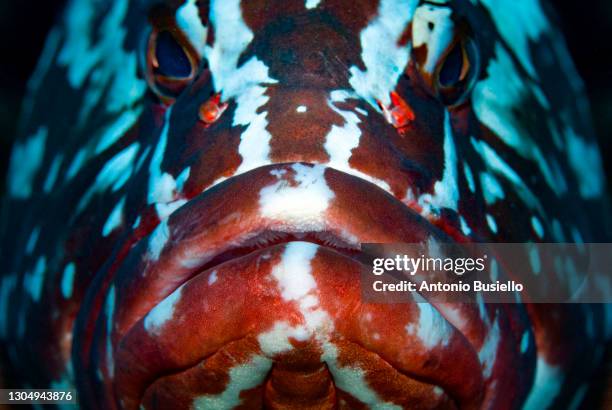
(398,113)
(212,109)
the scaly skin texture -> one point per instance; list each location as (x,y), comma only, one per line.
(193,181)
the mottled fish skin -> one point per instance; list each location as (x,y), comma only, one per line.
(110,185)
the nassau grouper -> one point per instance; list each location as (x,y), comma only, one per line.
(193,180)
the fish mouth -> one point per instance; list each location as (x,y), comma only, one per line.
(261,275)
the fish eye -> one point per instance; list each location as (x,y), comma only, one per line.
(452,69)
(171,63)
(456,72)
(170,58)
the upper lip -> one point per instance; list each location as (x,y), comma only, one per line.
(225,222)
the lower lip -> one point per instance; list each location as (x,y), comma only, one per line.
(299,306)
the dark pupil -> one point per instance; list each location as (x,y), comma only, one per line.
(172,60)
(451,70)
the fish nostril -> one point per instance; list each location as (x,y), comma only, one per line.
(398,113)
(212,109)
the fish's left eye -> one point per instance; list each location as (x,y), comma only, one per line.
(456,72)
(171,63)
(171,59)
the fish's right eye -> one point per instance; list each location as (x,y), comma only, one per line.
(456,73)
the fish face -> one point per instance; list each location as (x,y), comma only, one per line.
(197,179)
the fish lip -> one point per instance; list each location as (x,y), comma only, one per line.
(266,238)
(205,227)
(338,234)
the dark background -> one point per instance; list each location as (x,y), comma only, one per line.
(24,25)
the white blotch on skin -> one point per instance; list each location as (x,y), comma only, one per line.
(34,280)
(302,205)
(296,283)
(524,342)
(494,270)
(446,191)
(115,219)
(491,188)
(584,158)
(163,312)
(109,311)
(488,352)
(534,259)
(577,236)
(351,379)
(68,280)
(465,228)
(161,184)
(52,173)
(241,377)
(182,178)
(232,37)
(557,231)
(519,23)
(436,40)
(312,4)
(165,210)
(113,175)
(26,159)
(455,317)
(277,340)
(32,240)
(491,222)
(301,108)
(188,20)
(361,111)
(77,163)
(212,278)
(432,329)
(254,145)
(293,273)
(469,177)
(142,157)
(537,227)
(136,222)
(546,386)
(495,100)
(482,309)
(111,71)
(64,382)
(384,60)
(499,167)
(116,129)
(158,240)
(244,83)
(579,396)
(163,188)
(341,140)
(493,109)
